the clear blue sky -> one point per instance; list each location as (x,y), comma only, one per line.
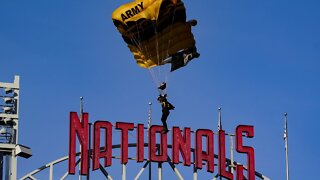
(258,60)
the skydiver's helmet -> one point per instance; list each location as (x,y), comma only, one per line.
(160,99)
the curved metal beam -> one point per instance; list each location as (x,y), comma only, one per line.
(116,146)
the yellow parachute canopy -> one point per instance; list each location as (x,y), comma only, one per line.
(147,9)
(154,30)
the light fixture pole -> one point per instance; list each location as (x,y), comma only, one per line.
(9,115)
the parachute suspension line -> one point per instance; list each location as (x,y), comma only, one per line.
(141,47)
(157,47)
(168,46)
(154,78)
(137,40)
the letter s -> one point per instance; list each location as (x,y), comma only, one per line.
(245,149)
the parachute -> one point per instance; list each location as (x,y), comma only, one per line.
(156,32)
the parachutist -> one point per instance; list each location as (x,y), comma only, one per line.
(166,107)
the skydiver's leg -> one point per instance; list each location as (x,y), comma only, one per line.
(165,126)
(165,114)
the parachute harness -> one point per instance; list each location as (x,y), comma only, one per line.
(164,70)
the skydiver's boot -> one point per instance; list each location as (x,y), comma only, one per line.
(165,130)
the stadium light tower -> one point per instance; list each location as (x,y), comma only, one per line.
(9,116)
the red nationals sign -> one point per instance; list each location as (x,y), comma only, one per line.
(181,144)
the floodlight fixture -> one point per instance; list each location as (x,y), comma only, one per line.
(8,100)
(23,151)
(3,130)
(5,120)
(15,92)
(8,90)
(8,110)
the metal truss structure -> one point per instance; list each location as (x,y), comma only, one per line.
(9,115)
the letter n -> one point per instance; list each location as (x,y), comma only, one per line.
(80,129)
(181,144)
